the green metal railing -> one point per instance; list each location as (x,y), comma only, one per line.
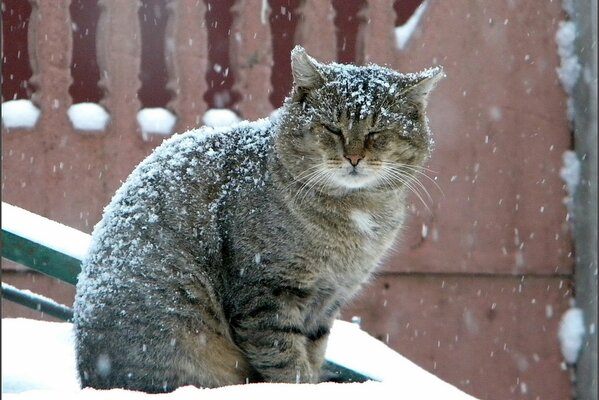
(42,259)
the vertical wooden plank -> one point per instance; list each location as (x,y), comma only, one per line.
(50,45)
(119,55)
(316,29)
(500,128)
(251,59)
(493,337)
(377,32)
(186,59)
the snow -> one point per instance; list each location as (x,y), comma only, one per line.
(404,32)
(156,120)
(37,355)
(569,70)
(570,174)
(34,296)
(264,12)
(38,362)
(88,116)
(44,231)
(571,334)
(220,117)
(19,114)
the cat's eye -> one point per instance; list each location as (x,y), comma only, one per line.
(334,130)
(374,134)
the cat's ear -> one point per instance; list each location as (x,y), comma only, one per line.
(423,84)
(306,74)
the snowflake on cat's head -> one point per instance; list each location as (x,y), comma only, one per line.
(332,91)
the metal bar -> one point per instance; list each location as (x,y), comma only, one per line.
(40,258)
(337,373)
(36,302)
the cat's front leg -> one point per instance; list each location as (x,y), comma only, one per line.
(277,350)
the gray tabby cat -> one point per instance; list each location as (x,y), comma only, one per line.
(227,254)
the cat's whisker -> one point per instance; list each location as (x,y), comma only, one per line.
(409,178)
(309,184)
(411,183)
(322,177)
(412,169)
(305,174)
(416,169)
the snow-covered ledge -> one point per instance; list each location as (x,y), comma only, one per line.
(38,358)
(220,117)
(156,121)
(20,114)
(38,362)
(88,117)
(44,231)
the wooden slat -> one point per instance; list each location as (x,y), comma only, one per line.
(251,59)
(500,129)
(119,58)
(493,337)
(50,46)
(316,30)
(377,32)
(187,58)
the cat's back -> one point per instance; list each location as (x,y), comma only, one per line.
(170,200)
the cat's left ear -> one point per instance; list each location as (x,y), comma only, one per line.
(425,81)
(306,74)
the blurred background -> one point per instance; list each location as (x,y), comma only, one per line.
(506,244)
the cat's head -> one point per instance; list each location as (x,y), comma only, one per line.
(347,127)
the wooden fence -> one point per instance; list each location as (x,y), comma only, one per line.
(476,288)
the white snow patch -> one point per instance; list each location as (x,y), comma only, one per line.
(37,355)
(264,12)
(570,174)
(44,231)
(569,70)
(220,117)
(571,334)
(404,32)
(88,116)
(156,120)
(19,114)
(38,361)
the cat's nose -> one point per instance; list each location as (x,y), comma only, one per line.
(354,159)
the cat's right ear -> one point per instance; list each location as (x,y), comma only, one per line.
(306,74)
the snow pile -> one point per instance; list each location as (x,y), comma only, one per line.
(570,174)
(571,334)
(569,69)
(38,362)
(88,116)
(156,120)
(37,355)
(46,232)
(404,32)
(19,114)
(220,117)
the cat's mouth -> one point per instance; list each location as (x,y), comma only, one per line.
(353,177)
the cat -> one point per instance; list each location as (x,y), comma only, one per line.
(226,255)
